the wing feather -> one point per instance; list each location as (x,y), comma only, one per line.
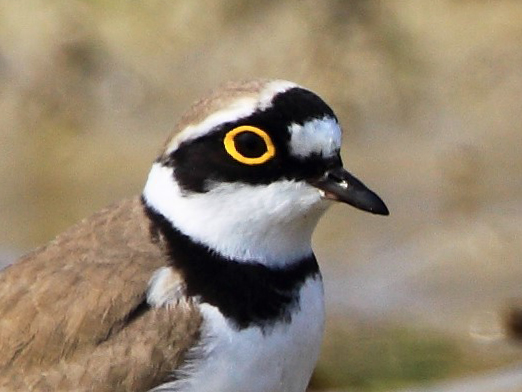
(73,314)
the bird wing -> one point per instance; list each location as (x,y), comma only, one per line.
(74,316)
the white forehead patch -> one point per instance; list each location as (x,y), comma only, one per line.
(317,136)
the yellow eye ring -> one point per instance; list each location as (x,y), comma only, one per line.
(230,145)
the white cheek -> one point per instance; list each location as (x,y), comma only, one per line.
(270,223)
(317,136)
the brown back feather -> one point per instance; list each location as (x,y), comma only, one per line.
(67,311)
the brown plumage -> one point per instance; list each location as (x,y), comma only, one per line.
(70,311)
(70,314)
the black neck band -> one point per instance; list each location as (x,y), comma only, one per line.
(248,293)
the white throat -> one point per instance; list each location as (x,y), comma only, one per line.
(271,224)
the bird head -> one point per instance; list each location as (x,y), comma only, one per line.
(251,169)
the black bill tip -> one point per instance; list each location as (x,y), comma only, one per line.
(337,184)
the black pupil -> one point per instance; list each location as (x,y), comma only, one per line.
(250,145)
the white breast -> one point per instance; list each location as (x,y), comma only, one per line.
(279,359)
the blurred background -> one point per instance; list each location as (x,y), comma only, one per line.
(429,93)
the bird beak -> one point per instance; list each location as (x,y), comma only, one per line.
(339,185)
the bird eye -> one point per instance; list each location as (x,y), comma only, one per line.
(249,145)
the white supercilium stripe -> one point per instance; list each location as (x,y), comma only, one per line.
(240,108)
